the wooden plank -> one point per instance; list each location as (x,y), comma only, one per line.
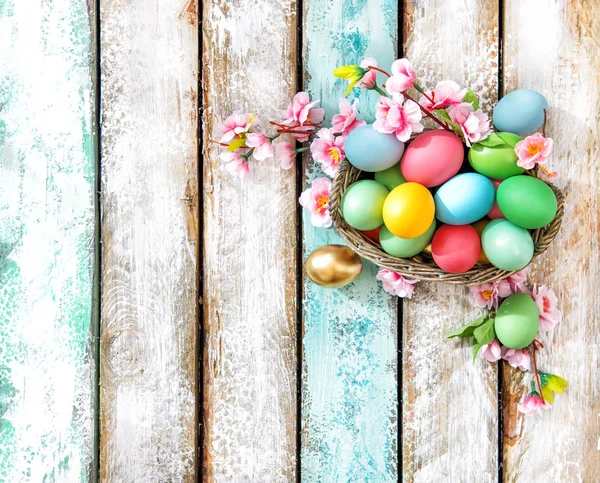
(47,242)
(449,403)
(558,56)
(349,384)
(149,68)
(249,251)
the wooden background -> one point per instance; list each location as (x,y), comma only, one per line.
(155,322)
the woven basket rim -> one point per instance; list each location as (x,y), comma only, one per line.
(421,267)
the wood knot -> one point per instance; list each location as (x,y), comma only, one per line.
(125,351)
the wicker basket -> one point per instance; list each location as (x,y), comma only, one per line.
(421,266)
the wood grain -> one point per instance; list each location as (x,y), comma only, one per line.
(558,55)
(349,373)
(149,66)
(450,410)
(47,192)
(249,251)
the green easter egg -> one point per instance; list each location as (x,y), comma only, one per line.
(527,201)
(362,204)
(498,162)
(391,177)
(405,247)
(517,321)
(507,246)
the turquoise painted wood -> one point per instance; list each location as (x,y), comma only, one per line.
(349,373)
(47,156)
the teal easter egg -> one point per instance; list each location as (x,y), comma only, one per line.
(405,247)
(362,204)
(527,202)
(517,321)
(507,246)
(464,199)
(498,162)
(391,177)
(520,112)
(372,151)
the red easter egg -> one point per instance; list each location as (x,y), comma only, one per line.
(432,158)
(455,248)
(372,234)
(495,211)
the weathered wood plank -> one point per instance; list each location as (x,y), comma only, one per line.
(449,403)
(558,55)
(47,192)
(249,251)
(349,378)
(149,68)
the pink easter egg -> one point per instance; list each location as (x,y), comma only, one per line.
(432,158)
(495,211)
(455,248)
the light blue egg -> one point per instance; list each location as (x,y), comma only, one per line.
(464,199)
(520,112)
(372,151)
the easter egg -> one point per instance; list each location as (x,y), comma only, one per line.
(520,112)
(372,234)
(455,249)
(495,212)
(391,177)
(464,199)
(517,321)
(370,150)
(498,161)
(527,201)
(432,158)
(405,247)
(479,226)
(362,204)
(408,210)
(333,266)
(507,246)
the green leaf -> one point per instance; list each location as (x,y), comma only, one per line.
(443,114)
(492,140)
(467,330)
(485,333)
(236,143)
(472,98)
(476,347)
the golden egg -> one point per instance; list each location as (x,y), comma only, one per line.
(333,266)
(479,226)
(427,250)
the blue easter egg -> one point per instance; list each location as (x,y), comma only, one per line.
(520,112)
(372,151)
(464,199)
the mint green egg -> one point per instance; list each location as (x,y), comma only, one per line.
(405,247)
(362,204)
(527,201)
(517,321)
(391,177)
(507,246)
(498,162)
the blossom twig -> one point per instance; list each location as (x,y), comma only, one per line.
(429,114)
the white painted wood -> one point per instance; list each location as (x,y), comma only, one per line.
(149,234)
(249,251)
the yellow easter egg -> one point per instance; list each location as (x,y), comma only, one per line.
(408,210)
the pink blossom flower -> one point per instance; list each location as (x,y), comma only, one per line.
(328,150)
(517,281)
(446,93)
(518,358)
(396,284)
(235,163)
(403,77)
(398,117)
(532,150)
(546,302)
(533,404)
(285,154)
(369,80)
(316,200)
(345,122)
(234,126)
(261,144)
(488,294)
(474,124)
(545,174)
(492,352)
(301,115)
